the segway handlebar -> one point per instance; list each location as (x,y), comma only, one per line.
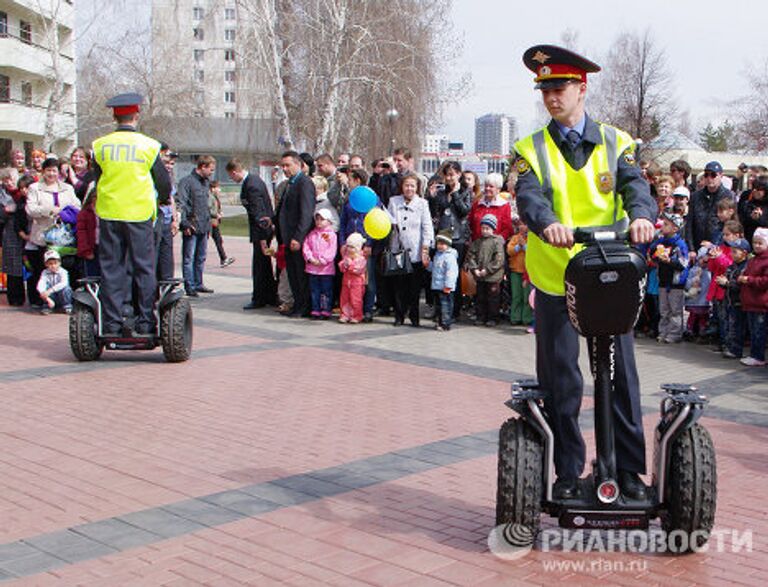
(587,236)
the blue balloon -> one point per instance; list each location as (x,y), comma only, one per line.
(362,199)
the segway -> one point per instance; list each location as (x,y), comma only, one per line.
(604,288)
(173,318)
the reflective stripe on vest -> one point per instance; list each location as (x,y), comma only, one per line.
(126,190)
(575,196)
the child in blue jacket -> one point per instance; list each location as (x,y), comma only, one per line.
(445,274)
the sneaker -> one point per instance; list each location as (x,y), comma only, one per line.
(752,362)
(67,309)
(530,330)
(729,355)
(439,328)
(203,289)
(227,262)
(344,320)
(45,311)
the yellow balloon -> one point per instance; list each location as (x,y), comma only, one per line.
(377,224)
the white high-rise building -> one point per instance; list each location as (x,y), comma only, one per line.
(495,133)
(435,144)
(37,61)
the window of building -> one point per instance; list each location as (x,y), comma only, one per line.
(25,31)
(29,146)
(3,24)
(229,54)
(229,14)
(198,13)
(199,75)
(199,97)
(229,75)
(199,54)
(6,146)
(198,33)
(5,88)
(229,115)
(229,97)
(26,93)
(229,35)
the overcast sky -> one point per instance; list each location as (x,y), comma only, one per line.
(709,45)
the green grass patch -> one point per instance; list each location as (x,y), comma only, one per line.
(234,225)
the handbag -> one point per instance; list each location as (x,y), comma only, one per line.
(396,263)
(60,235)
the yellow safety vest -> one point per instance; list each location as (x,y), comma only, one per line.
(579,198)
(125,190)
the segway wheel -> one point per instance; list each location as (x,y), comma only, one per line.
(82,334)
(520,477)
(176,331)
(691,494)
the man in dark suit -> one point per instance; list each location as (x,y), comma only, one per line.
(256,201)
(295,218)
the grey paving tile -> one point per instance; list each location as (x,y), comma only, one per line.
(69,546)
(309,485)
(116,533)
(202,512)
(276,494)
(14,550)
(31,565)
(240,502)
(161,522)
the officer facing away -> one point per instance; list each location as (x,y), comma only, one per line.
(131,181)
(578,173)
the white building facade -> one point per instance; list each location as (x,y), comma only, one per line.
(37,77)
(495,134)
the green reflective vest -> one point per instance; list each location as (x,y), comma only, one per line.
(125,190)
(579,198)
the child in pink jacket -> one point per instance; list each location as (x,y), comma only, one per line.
(320,252)
(352,265)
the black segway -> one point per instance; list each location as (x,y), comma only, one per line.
(605,286)
(173,317)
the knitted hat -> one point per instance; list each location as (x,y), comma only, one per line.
(675,219)
(740,243)
(444,236)
(489,220)
(355,240)
(761,233)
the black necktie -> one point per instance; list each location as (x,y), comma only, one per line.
(572,138)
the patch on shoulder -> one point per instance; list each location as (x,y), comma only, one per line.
(522,166)
(629,157)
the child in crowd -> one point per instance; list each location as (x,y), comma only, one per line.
(726,212)
(664,186)
(445,274)
(214,208)
(519,309)
(696,288)
(87,234)
(754,298)
(352,265)
(485,260)
(319,248)
(734,315)
(323,203)
(53,286)
(719,258)
(284,293)
(670,254)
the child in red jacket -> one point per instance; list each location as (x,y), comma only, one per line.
(88,235)
(754,298)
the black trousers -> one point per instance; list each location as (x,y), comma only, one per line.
(164,248)
(457,294)
(15,292)
(264,283)
(125,249)
(219,242)
(36,264)
(407,289)
(557,368)
(297,278)
(487,301)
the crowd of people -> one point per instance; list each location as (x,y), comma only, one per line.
(456,240)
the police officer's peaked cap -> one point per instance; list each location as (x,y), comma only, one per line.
(555,66)
(125,103)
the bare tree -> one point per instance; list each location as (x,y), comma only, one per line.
(634,91)
(752,110)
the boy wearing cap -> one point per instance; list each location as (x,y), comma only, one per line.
(578,173)
(735,322)
(485,261)
(670,254)
(445,274)
(54,285)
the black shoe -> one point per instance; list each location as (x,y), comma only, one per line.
(631,485)
(398,322)
(191,293)
(203,289)
(367,318)
(566,488)
(253,306)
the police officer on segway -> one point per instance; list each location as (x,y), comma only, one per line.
(571,173)
(131,181)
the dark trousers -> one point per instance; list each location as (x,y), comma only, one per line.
(15,291)
(36,265)
(217,240)
(487,301)
(445,310)
(458,295)
(263,278)
(164,248)
(407,289)
(737,329)
(321,292)
(194,249)
(294,264)
(127,249)
(758,333)
(557,368)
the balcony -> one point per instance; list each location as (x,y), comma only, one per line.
(65,13)
(32,59)
(27,119)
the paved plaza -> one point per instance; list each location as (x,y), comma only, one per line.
(295,452)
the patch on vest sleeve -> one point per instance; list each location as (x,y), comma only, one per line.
(522,166)
(629,157)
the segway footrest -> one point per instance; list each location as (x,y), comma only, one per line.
(684,393)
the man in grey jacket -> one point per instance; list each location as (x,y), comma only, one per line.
(192,202)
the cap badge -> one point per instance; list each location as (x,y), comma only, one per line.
(545,70)
(541,57)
